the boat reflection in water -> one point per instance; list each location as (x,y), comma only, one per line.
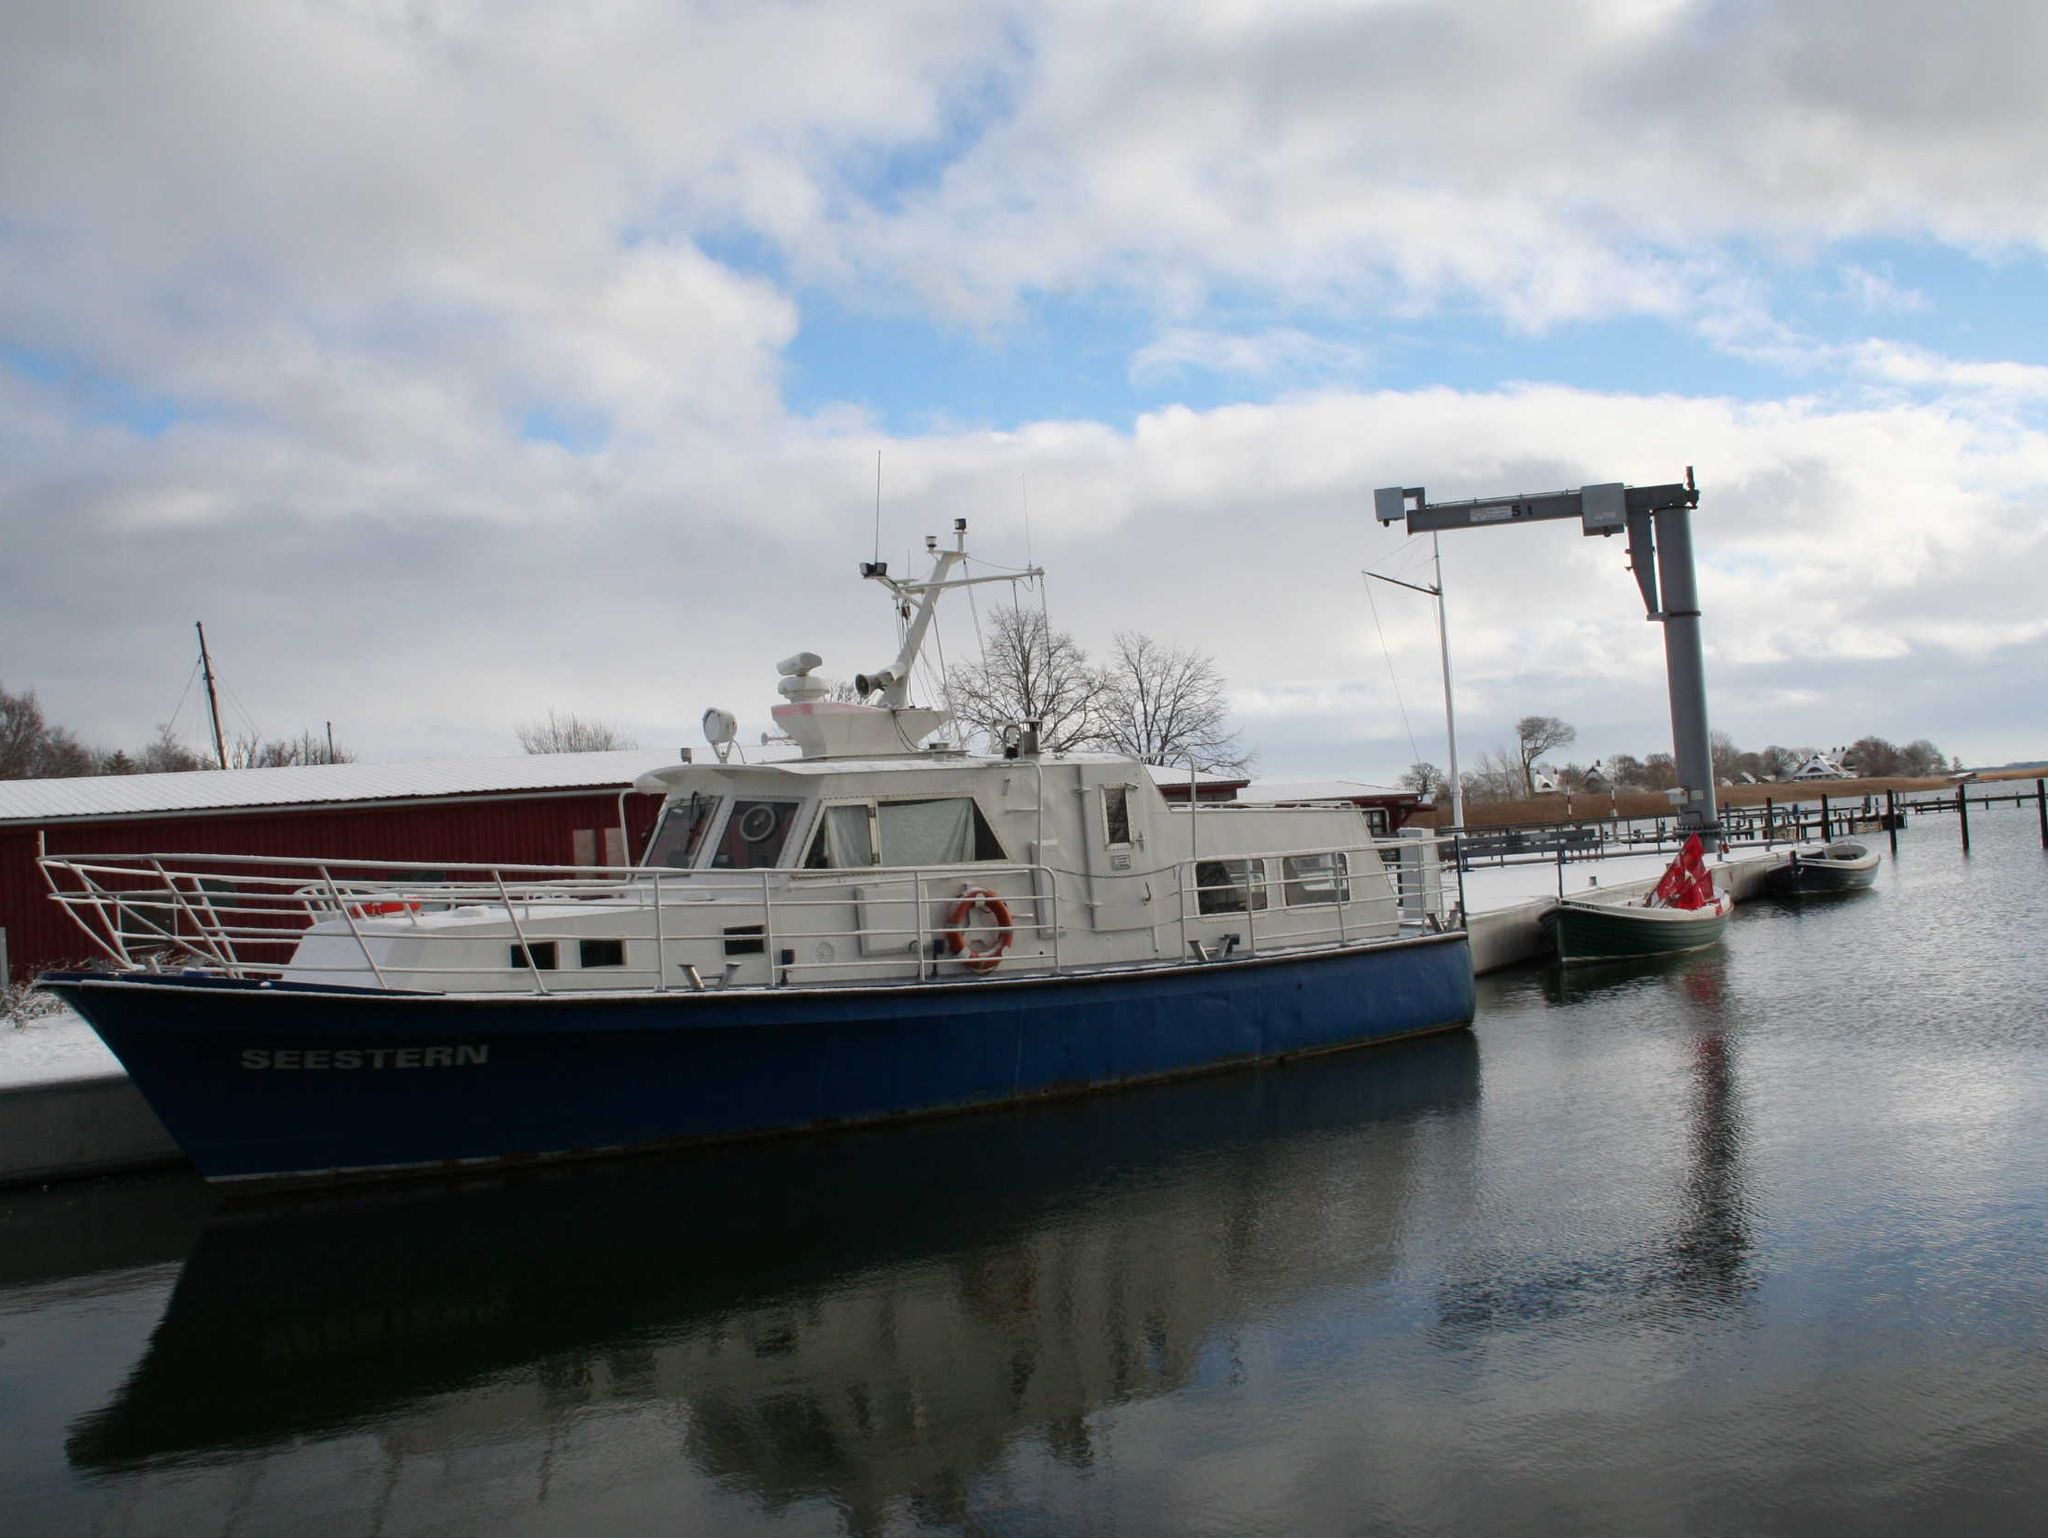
(1689,1253)
(868,1318)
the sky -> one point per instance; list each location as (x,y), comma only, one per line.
(456,362)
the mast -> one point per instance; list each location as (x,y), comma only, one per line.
(893,682)
(1443,636)
(212,696)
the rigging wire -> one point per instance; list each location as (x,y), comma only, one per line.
(171,726)
(235,699)
(1387,653)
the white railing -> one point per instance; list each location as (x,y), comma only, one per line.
(670,930)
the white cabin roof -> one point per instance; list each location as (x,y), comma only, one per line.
(206,790)
(1272,793)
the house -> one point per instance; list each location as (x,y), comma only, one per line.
(1823,767)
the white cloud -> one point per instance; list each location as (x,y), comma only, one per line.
(1877,293)
(1280,349)
(1896,363)
(353,247)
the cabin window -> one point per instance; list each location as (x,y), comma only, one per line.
(950,831)
(540,956)
(1376,821)
(601,953)
(1314,878)
(682,831)
(1230,886)
(754,835)
(1116,813)
(845,838)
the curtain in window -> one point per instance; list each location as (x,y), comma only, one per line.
(927,832)
(846,837)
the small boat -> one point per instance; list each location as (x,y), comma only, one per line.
(1683,913)
(1843,866)
(884,926)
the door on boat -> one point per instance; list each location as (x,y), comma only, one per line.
(1123,894)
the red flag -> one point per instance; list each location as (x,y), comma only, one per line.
(1686,883)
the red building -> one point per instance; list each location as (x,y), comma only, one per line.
(539,809)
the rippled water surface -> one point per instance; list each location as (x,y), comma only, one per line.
(1750,1241)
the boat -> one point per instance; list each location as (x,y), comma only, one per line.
(886,925)
(1682,913)
(1843,866)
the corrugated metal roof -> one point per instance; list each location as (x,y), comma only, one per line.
(203,790)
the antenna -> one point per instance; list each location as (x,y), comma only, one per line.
(878,507)
(212,696)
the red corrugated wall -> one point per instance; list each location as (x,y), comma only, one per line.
(512,830)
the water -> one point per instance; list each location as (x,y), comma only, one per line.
(1752,1241)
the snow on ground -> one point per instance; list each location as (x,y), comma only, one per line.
(49,1043)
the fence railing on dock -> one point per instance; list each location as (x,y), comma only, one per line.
(1817,819)
(1990,793)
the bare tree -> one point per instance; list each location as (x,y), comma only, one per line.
(1030,674)
(1536,736)
(309,747)
(1624,771)
(166,755)
(1873,756)
(566,733)
(1425,779)
(1497,776)
(32,749)
(1920,757)
(1166,705)
(1727,758)
(1774,762)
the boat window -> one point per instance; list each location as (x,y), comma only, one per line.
(1313,878)
(754,835)
(1230,886)
(948,832)
(601,953)
(682,831)
(1116,813)
(540,957)
(845,838)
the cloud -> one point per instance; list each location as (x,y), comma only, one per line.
(1896,363)
(1877,293)
(1278,350)
(286,288)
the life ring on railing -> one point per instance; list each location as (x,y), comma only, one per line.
(379,910)
(978,954)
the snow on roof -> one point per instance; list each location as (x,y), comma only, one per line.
(1268,793)
(204,790)
(1175,774)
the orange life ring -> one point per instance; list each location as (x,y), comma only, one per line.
(980,957)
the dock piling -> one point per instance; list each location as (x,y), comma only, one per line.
(1963,814)
(2041,806)
(1891,820)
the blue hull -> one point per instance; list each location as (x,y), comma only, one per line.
(277,1081)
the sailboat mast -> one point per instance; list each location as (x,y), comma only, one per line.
(212,696)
